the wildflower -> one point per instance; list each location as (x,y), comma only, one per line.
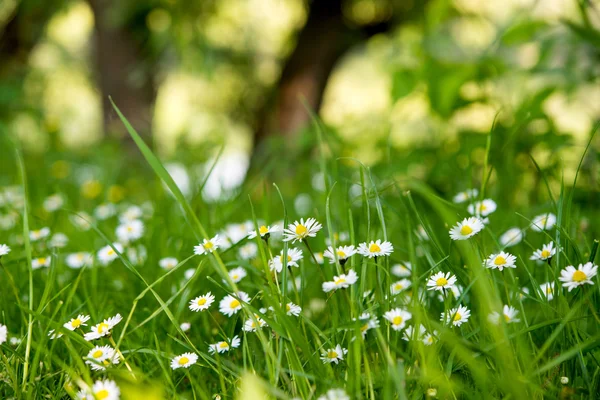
(319,257)
(432,392)
(4,250)
(168,262)
(292,309)
(130,214)
(41,262)
(399,286)
(402,270)
(230,305)
(338,238)
(81,220)
(78,260)
(523,293)
(367,322)
(564,380)
(252,324)
(501,260)
(457,316)
(185,326)
(511,237)
(130,231)
(482,208)
(248,251)
(509,313)
(100,357)
(334,355)
(397,318)
(467,228)
(222,347)
(208,246)
(58,240)
(543,222)
(237,274)
(343,254)
(422,233)
(341,282)
(301,230)
(572,277)
(78,322)
(106,390)
(53,203)
(441,281)
(103,329)
(429,338)
(3,333)
(54,335)
(185,360)
(105,211)
(237,232)
(263,231)
(334,394)
(547,252)
(107,254)
(293,256)
(375,249)
(39,234)
(548,290)
(411,334)
(202,303)
(466,195)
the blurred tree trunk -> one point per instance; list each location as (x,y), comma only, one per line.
(120,71)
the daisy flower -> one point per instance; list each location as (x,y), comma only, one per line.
(237,232)
(548,289)
(430,338)
(399,286)
(367,322)
(54,335)
(293,256)
(511,237)
(168,262)
(457,316)
(103,329)
(39,234)
(41,262)
(105,211)
(334,355)
(230,305)
(422,233)
(466,195)
(78,260)
(53,203)
(338,237)
(208,246)
(482,208)
(130,231)
(101,357)
(509,313)
(341,282)
(106,390)
(263,231)
(441,281)
(4,250)
(375,249)
(543,222)
(411,334)
(547,251)
(248,251)
(301,230)
(58,240)
(572,277)
(292,309)
(185,360)
(185,326)
(130,214)
(402,270)
(343,254)
(3,333)
(501,260)
(78,322)
(107,254)
(334,394)
(397,318)
(468,227)
(253,324)
(81,220)
(222,347)
(202,303)
(237,274)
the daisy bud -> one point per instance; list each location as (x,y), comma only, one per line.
(564,380)
(432,392)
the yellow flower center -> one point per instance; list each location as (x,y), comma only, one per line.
(374,248)
(500,260)
(332,354)
(457,317)
(549,290)
(223,345)
(42,260)
(287,307)
(506,318)
(235,276)
(202,301)
(441,281)
(289,258)
(234,304)
(466,230)
(398,286)
(364,327)
(579,276)
(339,281)
(102,394)
(397,320)
(110,252)
(97,354)
(80,257)
(129,229)
(482,207)
(545,254)
(208,245)
(103,326)
(76,323)
(262,230)
(301,230)
(341,254)
(183,360)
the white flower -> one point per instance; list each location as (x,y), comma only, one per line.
(338,237)
(39,234)
(375,249)
(411,334)
(457,316)
(130,231)
(104,328)
(78,260)
(230,305)
(547,251)
(81,220)
(341,282)
(292,309)
(107,254)
(397,318)
(482,208)
(500,261)
(78,322)
(54,335)
(468,227)
(41,262)
(237,232)
(222,347)
(543,222)
(53,203)
(301,230)
(343,254)
(367,322)
(208,246)
(334,394)
(106,390)
(402,270)
(572,277)
(237,274)
(168,262)
(130,214)
(263,231)
(185,360)
(511,237)
(3,333)
(101,357)
(441,281)
(252,324)
(202,303)
(422,233)
(293,256)
(4,250)
(334,355)
(466,195)
(185,326)
(248,251)
(58,240)
(509,313)
(105,211)
(548,290)
(399,286)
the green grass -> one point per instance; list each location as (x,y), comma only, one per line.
(554,339)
